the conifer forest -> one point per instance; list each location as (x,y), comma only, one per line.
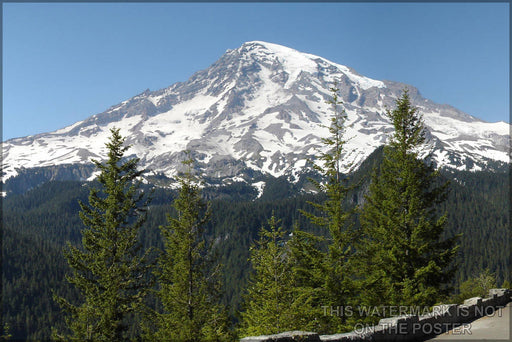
(119,258)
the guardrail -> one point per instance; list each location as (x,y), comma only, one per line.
(407,327)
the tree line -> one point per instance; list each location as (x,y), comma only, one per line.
(397,253)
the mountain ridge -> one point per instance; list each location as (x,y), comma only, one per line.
(260,107)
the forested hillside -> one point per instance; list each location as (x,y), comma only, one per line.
(37,224)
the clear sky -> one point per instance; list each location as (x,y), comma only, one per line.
(63,62)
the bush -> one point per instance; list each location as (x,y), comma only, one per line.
(476,287)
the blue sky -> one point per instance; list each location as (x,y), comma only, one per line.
(63,62)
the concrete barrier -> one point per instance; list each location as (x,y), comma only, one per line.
(442,318)
(289,336)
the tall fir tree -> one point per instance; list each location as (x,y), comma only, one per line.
(109,270)
(269,295)
(188,276)
(309,272)
(339,287)
(405,260)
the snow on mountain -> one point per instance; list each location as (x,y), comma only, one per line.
(262,107)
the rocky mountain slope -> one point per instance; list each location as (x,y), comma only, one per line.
(260,107)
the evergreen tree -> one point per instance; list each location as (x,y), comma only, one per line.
(6,334)
(309,270)
(339,286)
(405,259)
(109,270)
(189,280)
(269,295)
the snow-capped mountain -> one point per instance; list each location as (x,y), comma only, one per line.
(262,107)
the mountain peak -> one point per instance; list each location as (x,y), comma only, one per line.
(270,47)
(283,54)
(295,62)
(261,107)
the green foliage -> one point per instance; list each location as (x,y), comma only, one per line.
(268,302)
(277,189)
(108,270)
(478,286)
(6,332)
(38,223)
(309,272)
(285,291)
(189,280)
(332,216)
(338,285)
(476,208)
(405,260)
